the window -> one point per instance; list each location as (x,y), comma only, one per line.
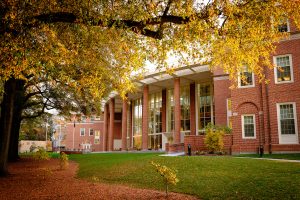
(246,78)
(284,69)
(82,131)
(185,108)
(97,137)
(155,113)
(83,118)
(204,105)
(229,113)
(91,132)
(137,122)
(92,118)
(248,126)
(287,119)
(284,26)
(287,123)
(170,110)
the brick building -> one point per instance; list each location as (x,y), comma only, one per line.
(175,109)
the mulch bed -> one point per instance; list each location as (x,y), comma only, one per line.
(30,179)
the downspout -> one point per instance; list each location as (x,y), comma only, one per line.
(261,119)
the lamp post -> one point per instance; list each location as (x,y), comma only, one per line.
(73,133)
(59,137)
(46,129)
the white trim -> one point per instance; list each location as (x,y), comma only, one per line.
(254,123)
(229,112)
(83,132)
(220,78)
(287,139)
(246,86)
(275,68)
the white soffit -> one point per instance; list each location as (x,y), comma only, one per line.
(202,68)
(148,80)
(183,72)
(163,77)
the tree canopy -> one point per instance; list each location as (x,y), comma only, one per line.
(97,45)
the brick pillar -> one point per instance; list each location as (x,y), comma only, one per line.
(145,118)
(111,124)
(130,125)
(105,129)
(164,111)
(177,110)
(192,109)
(124,125)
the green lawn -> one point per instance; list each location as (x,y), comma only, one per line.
(205,177)
(295,156)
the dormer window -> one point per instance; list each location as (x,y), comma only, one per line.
(284,26)
(246,78)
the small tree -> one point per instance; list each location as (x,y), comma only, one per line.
(138,142)
(41,154)
(169,175)
(214,138)
(63,160)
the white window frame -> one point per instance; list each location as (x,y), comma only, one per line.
(83,131)
(90,131)
(245,86)
(291,68)
(243,127)
(229,112)
(83,119)
(287,138)
(288,26)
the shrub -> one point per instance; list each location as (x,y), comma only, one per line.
(138,142)
(41,154)
(63,160)
(214,138)
(169,175)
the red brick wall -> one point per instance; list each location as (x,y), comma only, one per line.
(287,92)
(197,143)
(221,93)
(172,148)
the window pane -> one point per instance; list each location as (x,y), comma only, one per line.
(205,104)
(283,68)
(155,113)
(185,107)
(246,77)
(287,121)
(249,126)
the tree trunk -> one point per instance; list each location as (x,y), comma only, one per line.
(7,108)
(13,153)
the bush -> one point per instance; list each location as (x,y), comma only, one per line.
(41,154)
(214,138)
(63,160)
(138,142)
(169,175)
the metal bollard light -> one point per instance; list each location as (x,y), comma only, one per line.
(189,150)
(261,150)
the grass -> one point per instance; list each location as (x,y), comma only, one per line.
(221,177)
(295,156)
